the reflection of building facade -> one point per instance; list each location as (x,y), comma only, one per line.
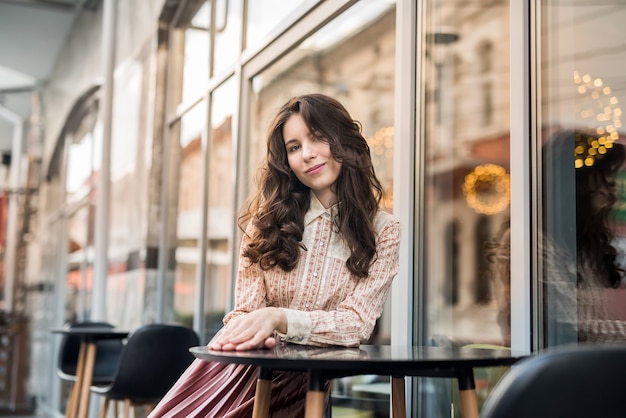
(195,83)
(467,106)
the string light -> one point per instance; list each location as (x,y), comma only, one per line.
(599,108)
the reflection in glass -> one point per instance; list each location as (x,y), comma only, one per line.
(196,55)
(580,142)
(80,230)
(466,185)
(80,165)
(227,34)
(80,187)
(265,16)
(186,165)
(221,216)
(352,59)
(467,188)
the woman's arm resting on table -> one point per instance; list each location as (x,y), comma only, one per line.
(251,331)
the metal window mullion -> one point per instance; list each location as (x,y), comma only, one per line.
(520,168)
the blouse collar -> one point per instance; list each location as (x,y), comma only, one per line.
(317,209)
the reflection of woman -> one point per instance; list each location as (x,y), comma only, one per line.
(316,263)
(595,257)
(578,259)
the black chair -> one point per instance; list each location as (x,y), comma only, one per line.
(153,358)
(107,355)
(573,382)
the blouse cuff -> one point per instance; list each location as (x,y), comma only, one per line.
(298,326)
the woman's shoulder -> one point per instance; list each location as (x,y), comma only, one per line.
(383,220)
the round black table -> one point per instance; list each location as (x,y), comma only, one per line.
(395,361)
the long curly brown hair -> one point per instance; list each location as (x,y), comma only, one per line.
(278,207)
(595,200)
(594,233)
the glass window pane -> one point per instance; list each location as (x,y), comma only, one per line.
(186,165)
(266,16)
(221,216)
(582,221)
(130,150)
(79,178)
(196,55)
(227,33)
(80,229)
(466,114)
(352,59)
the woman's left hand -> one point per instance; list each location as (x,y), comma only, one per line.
(251,331)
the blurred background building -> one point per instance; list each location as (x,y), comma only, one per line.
(130,132)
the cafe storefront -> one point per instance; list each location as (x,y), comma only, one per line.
(144,171)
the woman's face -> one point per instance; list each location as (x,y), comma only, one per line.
(599,190)
(310,159)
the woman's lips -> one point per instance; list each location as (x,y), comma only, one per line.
(315,169)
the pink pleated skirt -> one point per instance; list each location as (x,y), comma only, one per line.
(216,390)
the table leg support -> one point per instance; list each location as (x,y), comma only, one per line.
(467,393)
(262,395)
(398,402)
(314,404)
(316,396)
(90,359)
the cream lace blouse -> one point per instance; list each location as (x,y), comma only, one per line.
(324,303)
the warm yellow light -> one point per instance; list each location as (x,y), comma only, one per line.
(599,111)
(487,189)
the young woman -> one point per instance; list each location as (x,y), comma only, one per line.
(317,259)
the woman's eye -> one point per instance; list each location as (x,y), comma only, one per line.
(317,137)
(293,148)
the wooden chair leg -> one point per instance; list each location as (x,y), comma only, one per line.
(71,400)
(85,390)
(116,407)
(105,408)
(149,407)
(72,406)
(398,403)
(127,408)
(136,411)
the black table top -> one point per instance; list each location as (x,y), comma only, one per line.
(379,359)
(92,332)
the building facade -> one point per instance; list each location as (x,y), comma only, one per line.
(154,121)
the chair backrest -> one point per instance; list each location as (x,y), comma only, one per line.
(107,354)
(153,358)
(572,382)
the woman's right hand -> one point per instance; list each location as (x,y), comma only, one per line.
(251,331)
